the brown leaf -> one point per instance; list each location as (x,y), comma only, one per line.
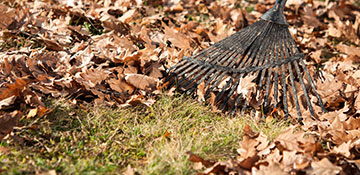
(246,86)
(323,167)
(141,81)
(248,163)
(154,70)
(309,17)
(195,158)
(14,89)
(178,39)
(129,171)
(343,149)
(247,148)
(128,16)
(120,85)
(7,102)
(48,172)
(350,50)
(51,45)
(32,113)
(273,169)
(7,122)
(200,92)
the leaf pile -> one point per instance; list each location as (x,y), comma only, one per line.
(105,52)
(116,53)
(327,150)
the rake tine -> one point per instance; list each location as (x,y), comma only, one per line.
(252,58)
(264,49)
(267,91)
(219,78)
(207,54)
(218,97)
(294,92)
(284,92)
(257,46)
(284,49)
(276,82)
(217,55)
(244,107)
(264,60)
(206,75)
(232,90)
(253,37)
(211,48)
(237,101)
(262,75)
(307,98)
(284,84)
(261,52)
(181,65)
(312,84)
(222,60)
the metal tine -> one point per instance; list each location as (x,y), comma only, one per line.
(188,67)
(217,56)
(238,99)
(232,90)
(229,64)
(183,63)
(307,98)
(262,53)
(253,52)
(312,84)
(286,111)
(276,82)
(218,97)
(292,79)
(267,91)
(264,61)
(219,78)
(235,104)
(191,89)
(224,56)
(244,107)
(217,46)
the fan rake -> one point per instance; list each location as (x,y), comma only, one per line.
(265,50)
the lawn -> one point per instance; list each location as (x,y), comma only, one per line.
(102,140)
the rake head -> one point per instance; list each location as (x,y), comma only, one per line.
(264,51)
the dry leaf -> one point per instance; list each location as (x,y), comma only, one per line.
(323,167)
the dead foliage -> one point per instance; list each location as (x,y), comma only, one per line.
(116,53)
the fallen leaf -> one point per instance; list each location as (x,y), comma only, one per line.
(32,113)
(7,102)
(7,122)
(323,167)
(129,171)
(141,81)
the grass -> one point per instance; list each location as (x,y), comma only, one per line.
(102,140)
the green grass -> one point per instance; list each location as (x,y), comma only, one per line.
(102,140)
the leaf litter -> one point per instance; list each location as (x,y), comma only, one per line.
(116,53)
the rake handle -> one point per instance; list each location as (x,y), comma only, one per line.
(275,14)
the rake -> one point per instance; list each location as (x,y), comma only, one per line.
(265,50)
